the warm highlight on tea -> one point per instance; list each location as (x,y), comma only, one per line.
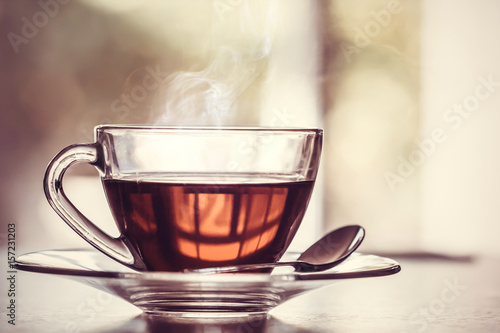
(174,226)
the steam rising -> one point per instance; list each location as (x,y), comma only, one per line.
(242,39)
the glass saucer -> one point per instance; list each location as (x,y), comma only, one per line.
(194,295)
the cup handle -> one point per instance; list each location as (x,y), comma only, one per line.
(116,248)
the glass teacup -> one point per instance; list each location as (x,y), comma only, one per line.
(193,197)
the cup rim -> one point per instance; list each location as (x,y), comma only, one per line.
(112,127)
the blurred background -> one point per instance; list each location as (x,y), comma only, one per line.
(407,92)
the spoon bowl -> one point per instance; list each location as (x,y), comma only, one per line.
(326,253)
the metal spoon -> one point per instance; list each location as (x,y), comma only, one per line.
(329,251)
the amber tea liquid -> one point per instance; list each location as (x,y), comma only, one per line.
(194,225)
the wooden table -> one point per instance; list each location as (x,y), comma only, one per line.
(428,295)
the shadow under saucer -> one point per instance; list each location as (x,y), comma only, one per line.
(251,324)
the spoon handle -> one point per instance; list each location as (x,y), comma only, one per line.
(241,268)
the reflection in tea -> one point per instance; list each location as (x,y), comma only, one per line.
(174,226)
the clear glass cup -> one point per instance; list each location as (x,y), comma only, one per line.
(193,197)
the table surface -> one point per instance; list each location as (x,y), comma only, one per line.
(428,295)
